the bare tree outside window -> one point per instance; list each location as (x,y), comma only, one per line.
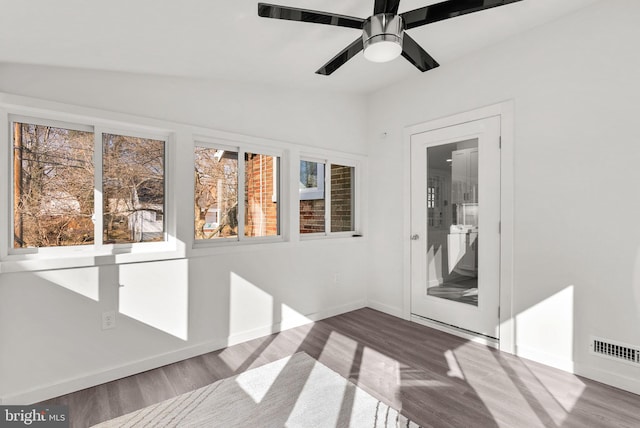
(216,193)
(53,186)
(133,189)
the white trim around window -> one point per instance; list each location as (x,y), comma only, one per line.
(178,186)
(241,148)
(96,253)
(327,160)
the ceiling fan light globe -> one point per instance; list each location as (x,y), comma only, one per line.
(382,37)
(382,50)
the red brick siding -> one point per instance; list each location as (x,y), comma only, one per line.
(312,216)
(312,212)
(261,212)
(341,198)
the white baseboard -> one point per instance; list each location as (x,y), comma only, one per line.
(88,380)
(547,359)
(483,340)
(391,310)
(244,336)
(627,383)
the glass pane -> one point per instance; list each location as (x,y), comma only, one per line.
(342,198)
(133,189)
(308,175)
(53,186)
(261,195)
(216,193)
(452,221)
(312,200)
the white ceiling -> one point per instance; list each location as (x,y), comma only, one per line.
(227,40)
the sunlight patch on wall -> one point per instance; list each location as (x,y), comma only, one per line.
(291,318)
(544,331)
(251,307)
(157,294)
(83,281)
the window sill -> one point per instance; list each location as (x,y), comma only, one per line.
(329,236)
(39,262)
(206,247)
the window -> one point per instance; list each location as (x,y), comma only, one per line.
(319,213)
(312,198)
(216,193)
(219,212)
(261,195)
(133,189)
(55,183)
(53,186)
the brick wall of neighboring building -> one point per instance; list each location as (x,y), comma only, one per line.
(312,211)
(261,212)
(312,216)
(341,198)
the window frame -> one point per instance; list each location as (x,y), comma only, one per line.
(56,257)
(242,148)
(328,160)
(98,160)
(45,251)
(354,198)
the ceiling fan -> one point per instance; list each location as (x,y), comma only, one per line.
(383,33)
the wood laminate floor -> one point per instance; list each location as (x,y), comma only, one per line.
(436,379)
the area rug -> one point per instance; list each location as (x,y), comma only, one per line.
(297,391)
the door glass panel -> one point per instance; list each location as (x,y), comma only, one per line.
(452,221)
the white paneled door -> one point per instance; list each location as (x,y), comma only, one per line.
(455,223)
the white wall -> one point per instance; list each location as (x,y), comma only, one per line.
(577,258)
(50,322)
(577,250)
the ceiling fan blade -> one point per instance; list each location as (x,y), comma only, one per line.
(448,9)
(345,55)
(294,14)
(416,55)
(386,6)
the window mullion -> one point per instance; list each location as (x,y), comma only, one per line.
(98,209)
(6,183)
(327,198)
(241,193)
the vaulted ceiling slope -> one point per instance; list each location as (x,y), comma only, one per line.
(228,40)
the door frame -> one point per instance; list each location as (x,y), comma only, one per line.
(505,110)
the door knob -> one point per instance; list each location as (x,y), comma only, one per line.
(415,237)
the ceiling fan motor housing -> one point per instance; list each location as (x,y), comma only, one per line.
(382,29)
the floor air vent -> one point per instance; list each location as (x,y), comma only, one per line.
(615,350)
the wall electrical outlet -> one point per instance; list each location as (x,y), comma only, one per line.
(108,320)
